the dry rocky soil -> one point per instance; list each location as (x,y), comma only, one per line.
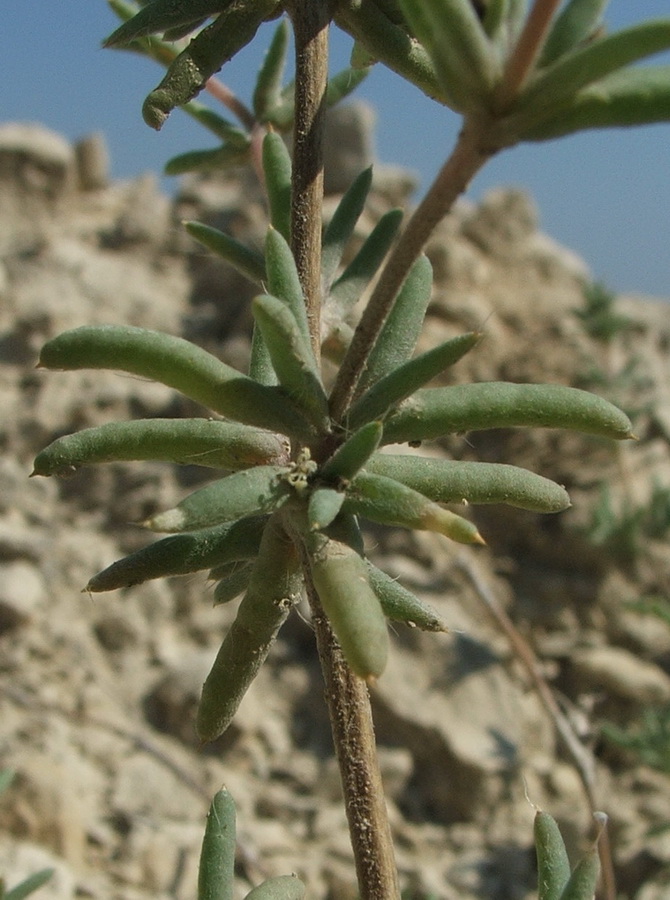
(97,695)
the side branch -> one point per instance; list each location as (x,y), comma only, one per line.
(452,180)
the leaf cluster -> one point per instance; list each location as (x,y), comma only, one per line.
(518,78)
(191,64)
(296,481)
(528,79)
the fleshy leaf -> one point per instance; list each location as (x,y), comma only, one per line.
(267,92)
(181,554)
(389,43)
(292,358)
(634,96)
(204,56)
(434,412)
(162,15)
(341,226)
(203,442)
(452,481)
(459,47)
(208,160)
(556,85)
(277,172)
(216,873)
(577,22)
(247,261)
(402,328)
(347,290)
(408,378)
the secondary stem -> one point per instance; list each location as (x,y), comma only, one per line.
(527,49)
(468,157)
(346,694)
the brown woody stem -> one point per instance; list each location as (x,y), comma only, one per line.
(311,20)
(346,694)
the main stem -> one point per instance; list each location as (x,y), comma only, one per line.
(346,694)
(311,21)
(469,155)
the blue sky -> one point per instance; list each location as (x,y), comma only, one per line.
(605,194)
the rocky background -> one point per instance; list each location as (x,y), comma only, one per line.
(97,694)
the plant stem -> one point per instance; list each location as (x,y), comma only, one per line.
(346,694)
(522,58)
(311,20)
(469,155)
(353,735)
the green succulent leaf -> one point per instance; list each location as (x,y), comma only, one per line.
(323,508)
(260,364)
(347,461)
(267,93)
(393,11)
(449,481)
(277,171)
(340,577)
(256,490)
(559,83)
(28,886)
(402,382)
(634,96)
(577,22)
(283,887)
(400,605)
(459,47)
(553,865)
(274,588)
(222,128)
(283,280)
(390,502)
(389,43)
(341,226)
(181,31)
(402,328)
(216,874)
(503,22)
(347,289)
(162,15)
(178,364)
(203,442)
(292,358)
(434,412)
(187,75)
(248,262)
(584,878)
(219,158)
(343,83)
(232,585)
(182,554)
